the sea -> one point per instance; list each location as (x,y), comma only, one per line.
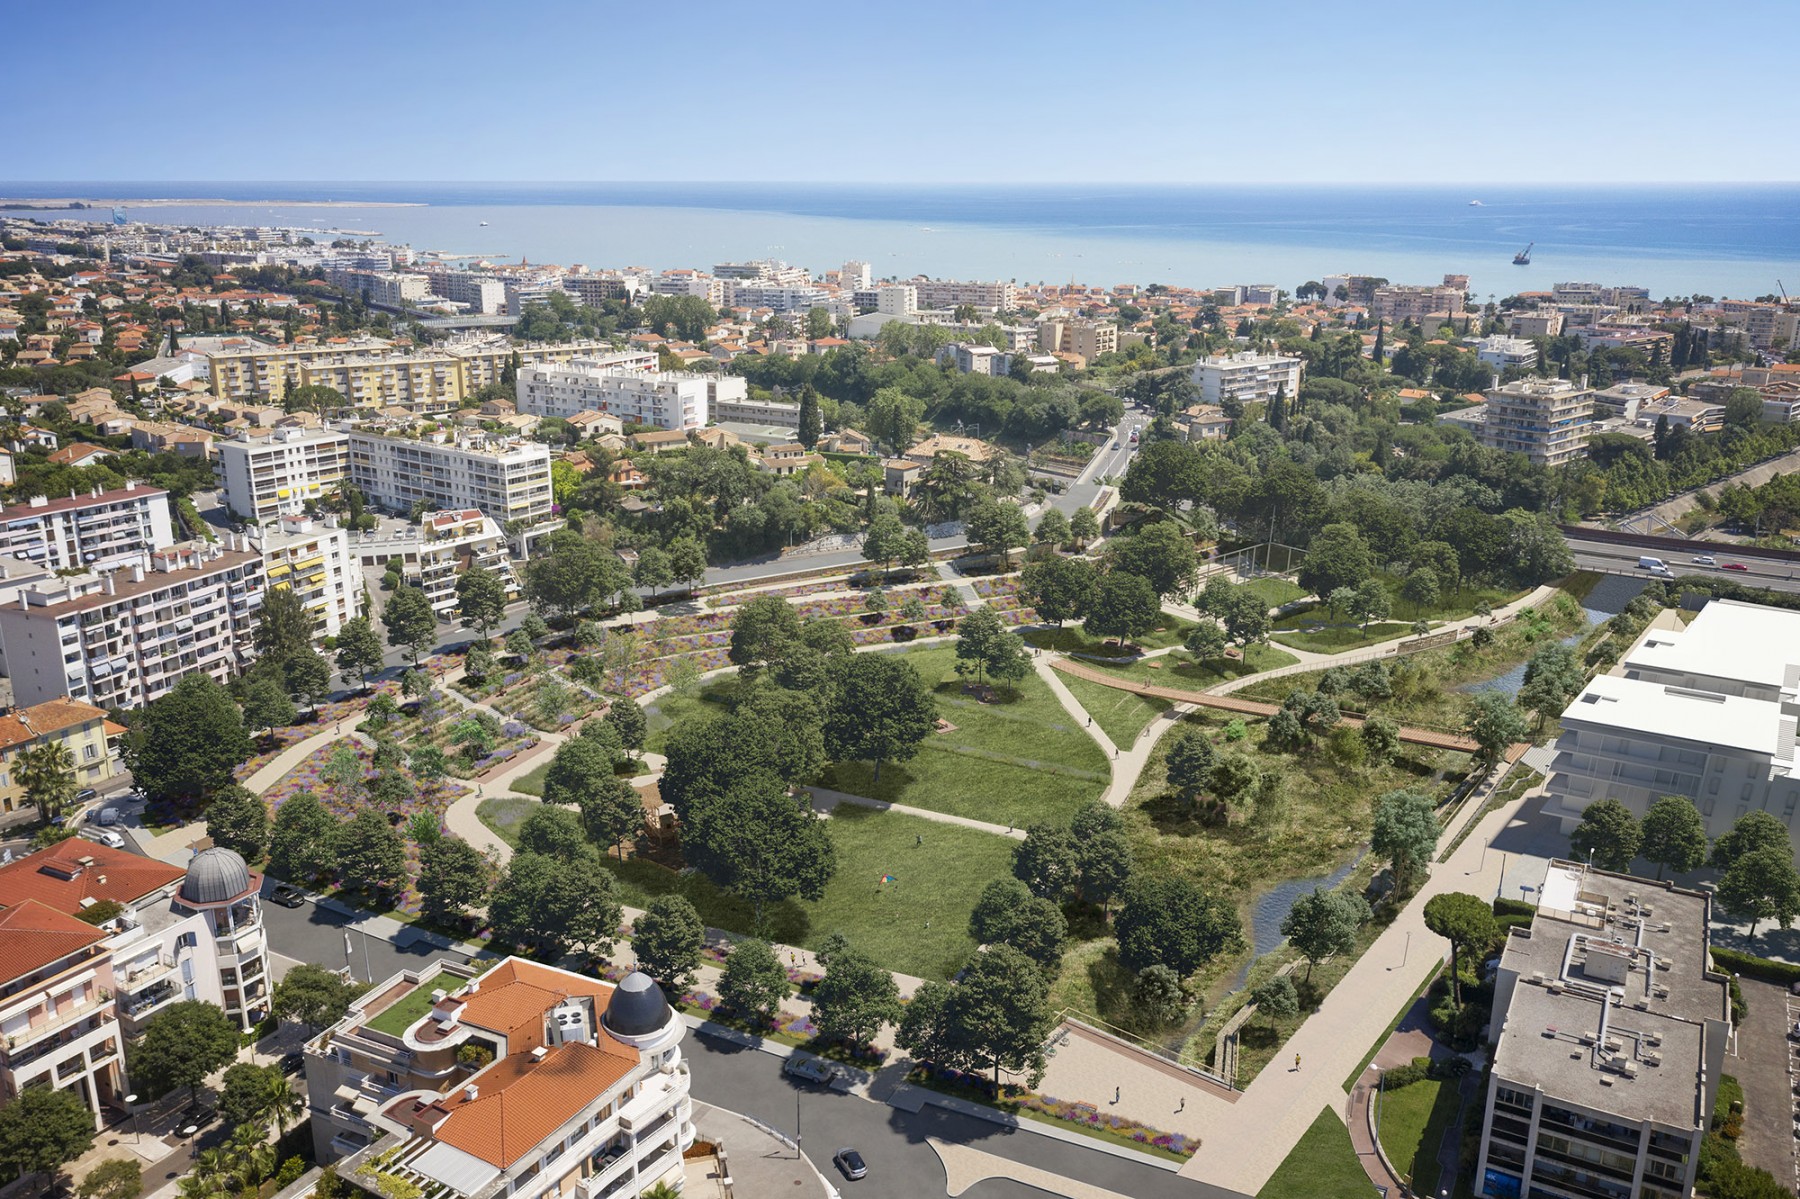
(1736,241)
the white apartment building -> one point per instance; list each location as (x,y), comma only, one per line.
(506,478)
(595,289)
(1624,399)
(582,1090)
(664,399)
(434,555)
(780,298)
(1538,322)
(1396,303)
(1610,1032)
(975,360)
(266,477)
(1246,377)
(1547,420)
(312,558)
(124,638)
(1085,339)
(952,293)
(1500,352)
(96,531)
(856,276)
(771,270)
(1707,712)
(483,293)
(748,410)
(690,283)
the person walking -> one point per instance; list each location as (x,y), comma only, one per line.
(1296,1061)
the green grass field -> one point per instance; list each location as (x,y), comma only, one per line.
(916,925)
(1335,639)
(1274,590)
(1322,1166)
(1016,761)
(1413,1120)
(1121,715)
(1073,639)
(1180,669)
(397,1018)
(663,714)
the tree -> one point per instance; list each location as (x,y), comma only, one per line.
(410,622)
(1161,553)
(881,542)
(880,710)
(554,832)
(1058,588)
(754,982)
(1673,835)
(1124,606)
(811,426)
(480,601)
(1206,640)
(1324,923)
(667,940)
(1277,999)
(1169,921)
(1495,723)
(42,1130)
(1157,995)
(370,855)
(687,560)
(999,527)
(258,1096)
(284,626)
(1381,739)
(312,995)
(763,631)
(1052,529)
(893,416)
(1405,834)
(1084,526)
(358,649)
(1762,885)
(308,678)
(1008,913)
(453,877)
(1045,861)
(1608,836)
(182,1044)
(266,705)
(1743,407)
(581,767)
(759,844)
(1190,761)
(612,813)
(996,1016)
(1467,923)
(855,999)
(1103,860)
(238,820)
(1338,557)
(46,772)
(301,844)
(1751,832)
(189,741)
(1421,587)
(985,646)
(561,904)
(114,1178)
(1553,678)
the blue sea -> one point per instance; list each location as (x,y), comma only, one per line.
(1675,240)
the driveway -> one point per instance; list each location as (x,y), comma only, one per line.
(1761,1065)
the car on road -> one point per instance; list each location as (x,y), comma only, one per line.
(851,1163)
(1662,572)
(293,1063)
(106,837)
(1704,560)
(287,895)
(86,794)
(812,1069)
(1736,566)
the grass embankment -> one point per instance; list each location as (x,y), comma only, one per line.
(1179,669)
(1296,632)
(1322,1166)
(1121,715)
(916,925)
(1340,633)
(1413,1122)
(1275,591)
(1018,760)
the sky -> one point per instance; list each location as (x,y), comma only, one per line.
(920,91)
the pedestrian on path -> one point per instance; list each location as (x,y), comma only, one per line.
(1115,1094)
(1183,1106)
(1296,1061)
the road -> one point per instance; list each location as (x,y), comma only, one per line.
(319,935)
(1772,573)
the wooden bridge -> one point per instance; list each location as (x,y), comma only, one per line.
(1431,738)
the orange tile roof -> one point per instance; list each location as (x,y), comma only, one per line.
(514,996)
(24,725)
(55,876)
(520,1102)
(33,935)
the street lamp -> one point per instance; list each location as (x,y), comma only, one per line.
(131,1103)
(796,1125)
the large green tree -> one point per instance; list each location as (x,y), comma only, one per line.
(1494,723)
(1058,588)
(238,820)
(667,941)
(560,904)
(996,1015)
(181,1045)
(764,630)
(754,982)
(371,856)
(481,600)
(453,877)
(258,1096)
(312,995)
(44,1129)
(1405,835)
(1161,553)
(1762,885)
(1467,923)
(1608,836)
(760,844)
(1337,557)
(1673,835)
(881,710)
(46,773)
(189,741)
(1324,923)
(1751,832)
(410,622)
(855,999)
(358,649)
(1124,606)
(302,844)
(986,647)
(1172,922)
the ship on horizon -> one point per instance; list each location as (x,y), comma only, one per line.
(1523,257)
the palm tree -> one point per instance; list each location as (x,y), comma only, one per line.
(252,1156)
(47,772)
(278,1103)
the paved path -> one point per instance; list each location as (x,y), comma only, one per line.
(824,800)
(1250,707)
(964,1167)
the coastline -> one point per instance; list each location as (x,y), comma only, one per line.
(59,204)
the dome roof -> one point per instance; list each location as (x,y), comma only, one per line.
(214,876)
(638,1006)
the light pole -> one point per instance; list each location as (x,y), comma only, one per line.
(131,1102)
(1407,951)
(796,1125)
(368,972)
(349,961)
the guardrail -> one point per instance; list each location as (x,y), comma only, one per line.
(1682,545)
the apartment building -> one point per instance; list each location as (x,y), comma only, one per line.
(76,991)
(1537,322)
(1085,339)
(1398,303)
(1610,1032)
(952,293)
(1623,400)
(482,293)
(854,276)
(506,478)
(619,385)
(95,531)
(434,555)
(1696,416)
(594,290)
(1707,712)
(769,270)
(80,728)
(1547,420)
(1501,351)
(972,359)
(1246,377)
(1596,293)
(312,559)
(752,411)
(579,1087)
(690,283)
(377,374)
(897,299)
(416,382)
(780,298)
(265,477)
(123,638)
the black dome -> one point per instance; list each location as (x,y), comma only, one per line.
(638,1006)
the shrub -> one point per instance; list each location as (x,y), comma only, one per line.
(1730,961)
(1513,907)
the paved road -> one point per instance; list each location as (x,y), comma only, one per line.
(315,934)
(1766,572)
(901,1164)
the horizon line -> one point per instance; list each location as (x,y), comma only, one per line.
(915,185)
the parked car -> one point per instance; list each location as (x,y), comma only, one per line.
(287,895)
(1736,566)
(293,1063)
(106,837)
(86,794)
(851,1163)
(812,1069)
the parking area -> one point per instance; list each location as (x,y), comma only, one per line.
(1767,1064)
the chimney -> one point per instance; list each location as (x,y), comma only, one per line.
(471,1093)
(539,1054)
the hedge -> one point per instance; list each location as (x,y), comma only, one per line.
(1782,974)
(1514,907)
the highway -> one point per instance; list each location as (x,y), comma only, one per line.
(1773,573)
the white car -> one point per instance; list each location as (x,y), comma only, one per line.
(1704,560)
(106,837)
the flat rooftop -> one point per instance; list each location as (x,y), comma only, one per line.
(1726,640)
(1658,710)
(1613,1004)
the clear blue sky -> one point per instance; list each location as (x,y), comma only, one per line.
(903,90)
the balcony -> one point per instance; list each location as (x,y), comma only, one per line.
(62,1019)
(154,996)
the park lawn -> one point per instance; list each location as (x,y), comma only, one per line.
(1323,1165)
(1413,1121)
(918,924)
(1275,590)
(532,781)
(1073,639)
(665,713)
(1335,639)
(1019,760)
(1121,715)
(1181,670)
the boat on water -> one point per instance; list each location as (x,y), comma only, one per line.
(1523,257)
(1476,204)
(484,224)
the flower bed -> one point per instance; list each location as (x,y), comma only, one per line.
(326,716)
(1073,1111)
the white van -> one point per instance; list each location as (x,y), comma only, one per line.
(1651,564)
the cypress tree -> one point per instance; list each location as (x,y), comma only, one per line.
(1380,340)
